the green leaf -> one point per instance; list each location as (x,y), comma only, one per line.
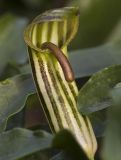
(94,95)
(112,139)
(85,62)
(36,156)
(65,140)
(60,156)
(98,121)
(98,19)
(10,70)
(13,94)
(12,47)
(19,142)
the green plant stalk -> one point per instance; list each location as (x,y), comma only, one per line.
(58,97)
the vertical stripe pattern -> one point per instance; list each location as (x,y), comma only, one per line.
(58,96)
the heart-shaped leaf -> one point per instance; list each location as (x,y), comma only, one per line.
(94,95)
(112,140)
(86,62)
(19,142)
(13,94)
(60,156)
(11,43)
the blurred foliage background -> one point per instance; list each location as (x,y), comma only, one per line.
(99,33)
(96,45)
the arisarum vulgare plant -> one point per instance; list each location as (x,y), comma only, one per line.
(47,38)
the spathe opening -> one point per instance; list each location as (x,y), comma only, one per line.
(57,26)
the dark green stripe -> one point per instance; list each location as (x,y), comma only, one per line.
(49,34)
(39,34)
(74,110)
(61,35)
(39,30)
(49,93)
(65,90)
(60,98)
(73,91)
(42,101)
